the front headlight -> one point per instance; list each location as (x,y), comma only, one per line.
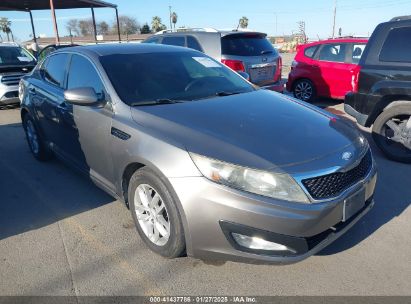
(275,185)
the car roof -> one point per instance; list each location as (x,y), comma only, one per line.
(338,40)
(123,48)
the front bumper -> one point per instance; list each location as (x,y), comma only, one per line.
(207,206)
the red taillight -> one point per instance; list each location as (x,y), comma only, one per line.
(277,75)
(355,78)
(236,65)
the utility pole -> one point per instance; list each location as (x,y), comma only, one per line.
(169,16)
(335,14)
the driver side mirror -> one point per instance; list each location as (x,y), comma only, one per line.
(244,75)
(85,96)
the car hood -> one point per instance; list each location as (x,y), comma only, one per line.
(260,129)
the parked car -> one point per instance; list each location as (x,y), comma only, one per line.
(381,95)
(325,68)
(15,62)
(248,52)
(198,153)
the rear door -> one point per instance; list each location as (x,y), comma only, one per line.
(47,94)
(335,70)
(256,54)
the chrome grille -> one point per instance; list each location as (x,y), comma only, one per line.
(11,79)
(332,185)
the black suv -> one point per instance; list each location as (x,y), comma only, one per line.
(382,88)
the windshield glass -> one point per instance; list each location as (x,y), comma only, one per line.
(246,45)
(15,56)
(144,77)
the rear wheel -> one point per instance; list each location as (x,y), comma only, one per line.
(37,146)
(155,214)
(304,89)
(392,133)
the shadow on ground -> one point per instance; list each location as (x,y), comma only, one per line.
(34,194)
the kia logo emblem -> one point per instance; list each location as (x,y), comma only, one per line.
(346,155)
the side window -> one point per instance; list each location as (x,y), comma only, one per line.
(309,52)
(54,70)
(192,43)
(83,74)
(153,39)
(357,50)
(177,40)
(397,46)
(333,52)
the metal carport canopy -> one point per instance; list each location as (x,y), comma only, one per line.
(30,5)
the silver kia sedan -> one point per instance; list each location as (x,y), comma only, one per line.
(208,164)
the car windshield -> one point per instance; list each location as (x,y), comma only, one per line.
(15,56)
(170,76)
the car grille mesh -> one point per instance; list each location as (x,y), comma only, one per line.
(332,185)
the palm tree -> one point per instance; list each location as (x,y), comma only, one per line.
(174,19)
(243,22)
(5,26)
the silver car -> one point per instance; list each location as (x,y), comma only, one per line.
(248,52)
(208,164)
(15,62)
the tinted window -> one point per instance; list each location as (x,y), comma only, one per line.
(178,41)
(152,40)
(397,47)
(309,52)
(357,50)
(192,43)
(333,52)
(83,74)
(246,45)
(54,70)
(184,76)
(15,56)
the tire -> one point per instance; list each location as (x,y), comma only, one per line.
(36,144)
(304,90)
(383,133)
(146,218)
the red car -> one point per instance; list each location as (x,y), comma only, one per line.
(325,68)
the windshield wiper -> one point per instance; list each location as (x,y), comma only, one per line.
(159,101)
(225,93)
(266,52)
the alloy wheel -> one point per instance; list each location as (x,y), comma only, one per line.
(32,137)
(303,90)
(152,214)
(398,130)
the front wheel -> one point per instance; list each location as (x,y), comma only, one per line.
(155,214)
(392,133)
(304,90)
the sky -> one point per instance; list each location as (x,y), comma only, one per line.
(275,17)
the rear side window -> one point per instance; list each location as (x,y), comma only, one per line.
(54,70)
(177,41)
(246,45)
(310,51)
(83,74)
(357,51)
(192,43)
(397,46)
(333,52)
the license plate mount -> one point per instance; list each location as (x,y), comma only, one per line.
(353,204)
